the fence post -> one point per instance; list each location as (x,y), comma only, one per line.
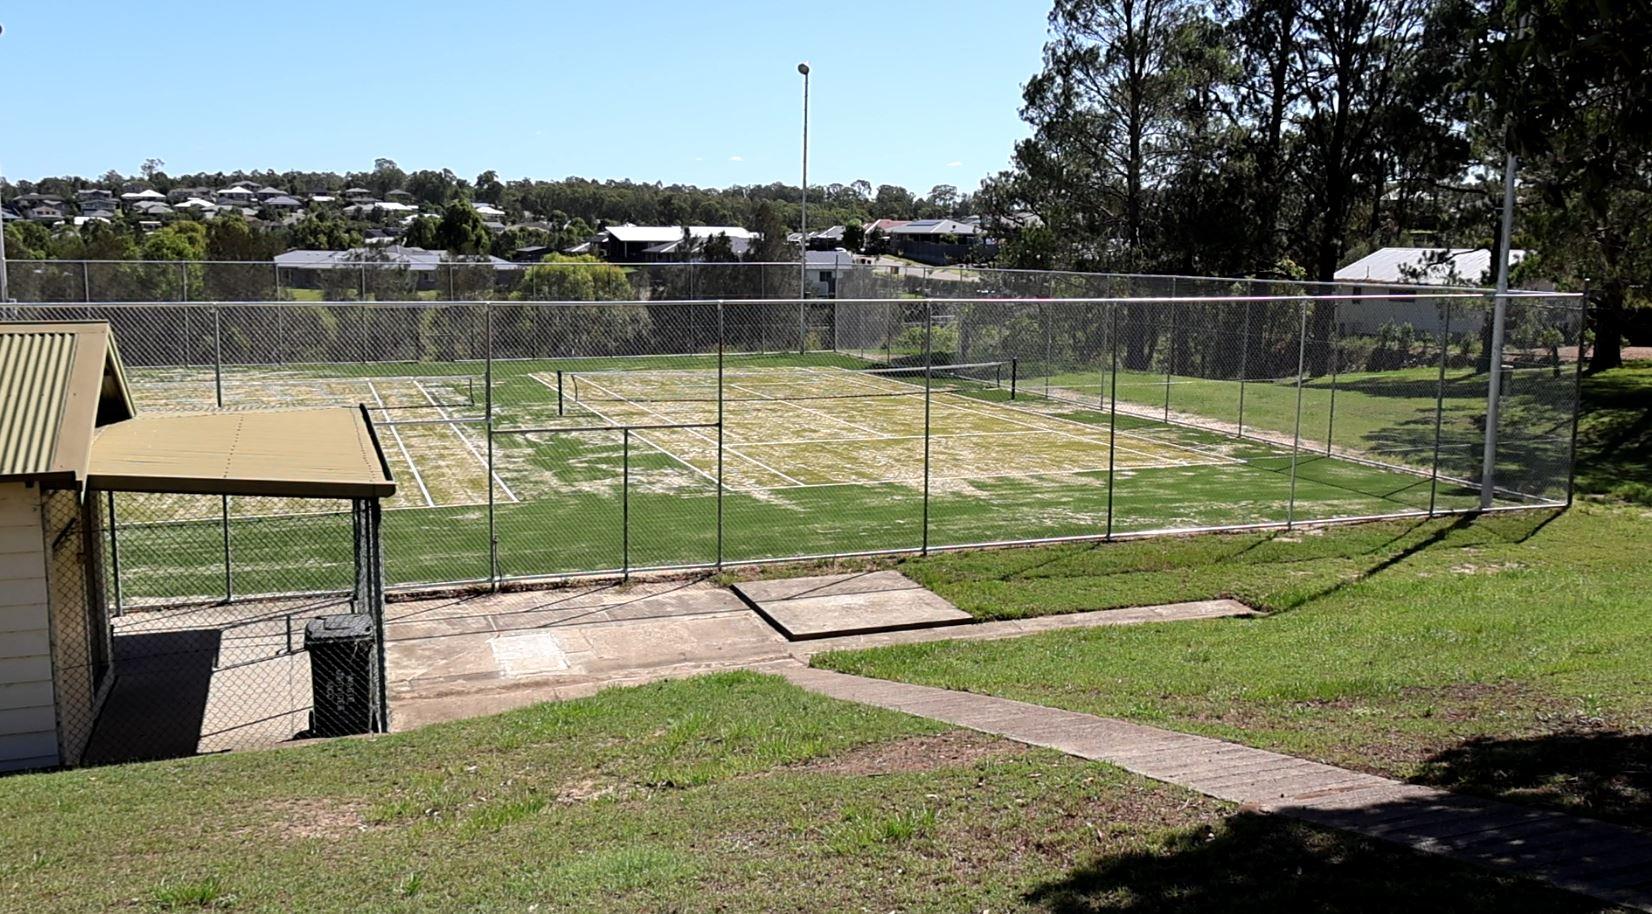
(1244,365)
(1494,364)
(487,411)
(929,362)
(625,503)
(1296,437)
(114,555)
(1113,410)
(1577,394)
(85,281)
(1439,407)
(1170,353)
(1336,356)
(217,357)
(229,577)
(719,433)
(183,271)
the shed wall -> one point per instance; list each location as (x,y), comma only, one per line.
(28,713)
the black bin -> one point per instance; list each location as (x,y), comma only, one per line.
(341,673)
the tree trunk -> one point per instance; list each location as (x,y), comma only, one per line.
(1607,316)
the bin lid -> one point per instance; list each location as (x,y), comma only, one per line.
(339,627)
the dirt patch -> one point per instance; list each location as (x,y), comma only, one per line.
(953,749)
(584,791)
(313,817)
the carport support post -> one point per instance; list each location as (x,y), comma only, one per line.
(374,548)
(1296,437)
(114,555)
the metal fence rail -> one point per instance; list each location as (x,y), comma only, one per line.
(535,439)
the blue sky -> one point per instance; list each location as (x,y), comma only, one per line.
(909,92)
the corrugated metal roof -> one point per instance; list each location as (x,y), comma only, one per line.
(1425,266)
(58,381)
(34,373)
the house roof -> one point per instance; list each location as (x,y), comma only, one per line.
(837,260)
(145,194)
(933,227)
(417,259)
(330,452)
(58,381)
(660,234)
(1425,266)
(283,200)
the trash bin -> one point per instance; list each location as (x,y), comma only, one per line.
(341,673)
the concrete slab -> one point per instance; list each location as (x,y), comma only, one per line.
(848,604)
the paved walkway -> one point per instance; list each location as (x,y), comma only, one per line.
(1609,862)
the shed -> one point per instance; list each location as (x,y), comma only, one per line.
(68,432)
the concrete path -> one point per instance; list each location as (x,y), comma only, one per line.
(1609,862)
(464,656)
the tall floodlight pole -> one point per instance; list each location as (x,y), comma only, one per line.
(1499,312)
(803,220)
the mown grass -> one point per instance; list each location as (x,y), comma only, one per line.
(685,796)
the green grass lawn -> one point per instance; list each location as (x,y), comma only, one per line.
(734,792)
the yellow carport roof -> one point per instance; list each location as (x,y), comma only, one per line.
(58,382)
(301,453)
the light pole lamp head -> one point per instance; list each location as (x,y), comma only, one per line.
(803,68)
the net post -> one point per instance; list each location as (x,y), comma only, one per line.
(1439,408)
(487,413)
(1296,436)
(929,361)
(1015,371)
(625,503)
(1494,364)
(559,392)
(1113,410)
(720,347)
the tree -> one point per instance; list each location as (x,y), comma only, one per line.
(386,177)
(323,231)
(421,232)
(854,236)
(432,188)
(893,202)
(772,247)
(488,188)
(462,230)
(151,167)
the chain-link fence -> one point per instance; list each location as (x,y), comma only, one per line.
(533,439)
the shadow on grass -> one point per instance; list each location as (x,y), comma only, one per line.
(1261,863)
(1600,774)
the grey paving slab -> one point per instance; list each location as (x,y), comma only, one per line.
(1605,861)
(848,604)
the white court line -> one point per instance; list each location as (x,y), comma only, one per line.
(841,421)
(727,448)
(397,434)
(459,430)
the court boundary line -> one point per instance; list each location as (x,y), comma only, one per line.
(459,429)
(401,445)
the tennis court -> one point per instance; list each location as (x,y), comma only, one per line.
(798,427)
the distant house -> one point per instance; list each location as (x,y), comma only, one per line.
(303,269)
(323,198)
(30,201)
(398,195)
(673,250)
(936,241)
(824,269)
(827,239)
(141,196)
(266,192)
(89,194)
(1399,272)
(630,243)
(532,253)
(96,206)
(488,211)
(203,207)
(283,202)
(179,194)
(45,212)
(357,193)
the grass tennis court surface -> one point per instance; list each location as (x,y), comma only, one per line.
(821,456)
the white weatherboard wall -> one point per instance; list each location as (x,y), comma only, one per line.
(28,714)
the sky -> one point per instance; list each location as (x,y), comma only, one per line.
(908,92)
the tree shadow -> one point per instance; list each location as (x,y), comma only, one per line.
(1597,773)
(1254,862)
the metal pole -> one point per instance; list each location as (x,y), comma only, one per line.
(1336,352)
(719,434)
(1113,414)
(487,399)
(85,281)
(1170,358)
(625,502)
(114,555)
(183,270)
(1296,439)
(5,291)
(229,579)
(559,392)
(929,361)
(803,218)
(1244,366)
(1494,386)
(275,269)
(1439,408)
(1015,371)
(375,549)
(1577,395)
(217,358)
